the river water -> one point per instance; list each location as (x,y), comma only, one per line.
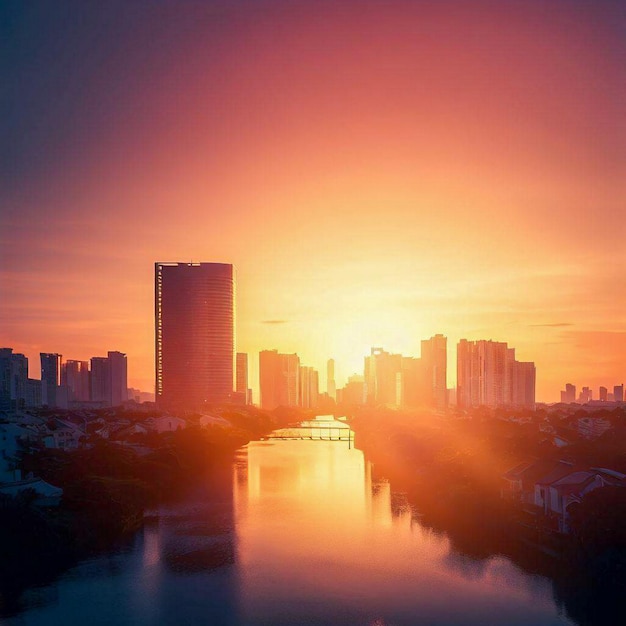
(306,536)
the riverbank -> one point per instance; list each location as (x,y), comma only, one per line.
(107,487)
(451,470)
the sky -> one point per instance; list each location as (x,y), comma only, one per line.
(377,172)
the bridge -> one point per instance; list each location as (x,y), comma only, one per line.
(315,430)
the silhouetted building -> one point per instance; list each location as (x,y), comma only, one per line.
(5,379)
(33,393)
(279,378)
(569,395)
(50,379)
(241,380)
(383,378)
(353,394)
(603,394)
(585,396)
(100,380)
(118,372)
(309,387)
(13,380)
(331,386)
(75,376)
(618,393)
(194,333)
(435,368)
(488,375)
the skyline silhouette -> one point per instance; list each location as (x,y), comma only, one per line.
(376,173)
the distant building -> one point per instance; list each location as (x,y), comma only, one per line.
(618,393)
(118,371)
(331,386)
(569,395)
(603,394)
(33,393)
(50,379)
(75,376)
(309,387)
(279,377)
(585,395)
(353,394)
(488,375)
(435,367)
(241,379)
(100,380)
(13,377)
(383,378)
(194,334)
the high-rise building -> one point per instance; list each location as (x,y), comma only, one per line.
(100,380)
(309,387)
(435,367)
(279,378)
(331,386)
(586,395)
(50,378)
(383,378)
(194,333)
(118,372)
(569,395)
(5,379)
(618,393)
(488,375)
(13,380)
(75,376)
(603,395)
(241,385)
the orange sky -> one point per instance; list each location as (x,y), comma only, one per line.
(377,172)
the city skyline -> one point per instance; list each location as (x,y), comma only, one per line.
(377,174)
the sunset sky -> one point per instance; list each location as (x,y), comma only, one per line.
(377,172)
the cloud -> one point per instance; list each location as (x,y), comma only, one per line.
(273,321)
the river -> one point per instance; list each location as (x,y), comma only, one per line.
(305,536)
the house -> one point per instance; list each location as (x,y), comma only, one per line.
(572,488)
(592,427)
(165,423)
(11,436)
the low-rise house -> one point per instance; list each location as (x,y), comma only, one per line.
(165,423)
(63,435)
(44,494)
(520,482)
(11,438)
(592,427)
(572,488)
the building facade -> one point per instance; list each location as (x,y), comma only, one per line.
(194,334)
(488,375)
(50,378)
(279,378)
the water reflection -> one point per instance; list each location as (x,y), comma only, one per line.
(318,542)
(301,534)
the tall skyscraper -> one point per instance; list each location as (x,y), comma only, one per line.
(75,376)
(383,378)
(50,378)
(309,387)
(194,334)
(569,395)
(279,377)
(618,393)
(331,385)
(435,367)
(241,378)
(489,375)
(118,372)
(100,380)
